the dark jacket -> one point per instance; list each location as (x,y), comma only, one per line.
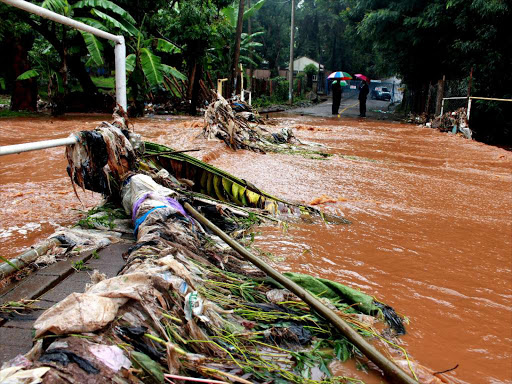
(363,91)
(336,90)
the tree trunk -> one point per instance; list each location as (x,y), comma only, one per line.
(440,95)
(195,89)
(24,94)
(191,80)
(234,84)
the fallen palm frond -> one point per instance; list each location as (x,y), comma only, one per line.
(222,186)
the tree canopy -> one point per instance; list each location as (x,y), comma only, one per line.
(420,41)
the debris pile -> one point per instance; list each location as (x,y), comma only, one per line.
(233,128)
(453,122)
(186,306)
(239,127)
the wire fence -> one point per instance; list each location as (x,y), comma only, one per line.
(451,104)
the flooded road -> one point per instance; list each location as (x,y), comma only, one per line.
(431,231)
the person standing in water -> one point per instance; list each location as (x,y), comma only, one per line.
(363,94)
(336,96)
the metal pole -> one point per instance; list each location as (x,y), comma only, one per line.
(442,108)
(120,59)
(292,35)
(47,14)
(469,108)
(18,148)
(120,49)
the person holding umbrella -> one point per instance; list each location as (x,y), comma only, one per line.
(364,89)
(338,77)
(336,96)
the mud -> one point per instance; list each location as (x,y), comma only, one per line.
(431,213)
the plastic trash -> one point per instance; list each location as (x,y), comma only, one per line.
(14,375)
(110,355)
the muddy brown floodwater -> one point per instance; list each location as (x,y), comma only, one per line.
(431,231)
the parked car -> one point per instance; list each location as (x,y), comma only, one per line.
(381,94)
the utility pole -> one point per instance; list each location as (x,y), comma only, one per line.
(292,35)
(249,32)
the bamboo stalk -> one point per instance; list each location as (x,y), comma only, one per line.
(26,258)
(390,369)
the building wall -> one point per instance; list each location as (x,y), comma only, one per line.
(259,73)
(300,63)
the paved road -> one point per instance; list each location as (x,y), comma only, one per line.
(349,107)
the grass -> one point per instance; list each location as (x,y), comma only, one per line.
(106,220)
(267,101)
(6,113)
(79,266)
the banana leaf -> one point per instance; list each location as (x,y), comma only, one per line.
(95,48)
(152,67)
(222,186)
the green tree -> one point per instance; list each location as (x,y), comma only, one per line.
(146,72)
(16,40)
(423,40)
(274,20)
(196,26)
(71,45)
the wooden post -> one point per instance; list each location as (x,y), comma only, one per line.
(249,32)
(440,95)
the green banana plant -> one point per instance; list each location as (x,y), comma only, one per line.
(146,72)
(219,57)
(117,19)
(42,68)
(231,12)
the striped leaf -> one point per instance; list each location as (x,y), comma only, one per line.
(171,71)
(106,5)
(130,63)
(28,75)
(95,48)
(250,12)
(123,26)
(220,185)
(166,46)
(152,67)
